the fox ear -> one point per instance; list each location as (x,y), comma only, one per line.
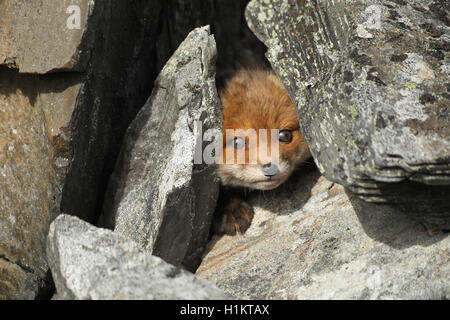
(274,79)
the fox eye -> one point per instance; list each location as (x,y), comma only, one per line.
(238,143)
(285,136)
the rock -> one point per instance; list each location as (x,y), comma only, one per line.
(93,263)
(312,240)
(30,28)
(157,196)
(370,83)
(18,282)
(34,115)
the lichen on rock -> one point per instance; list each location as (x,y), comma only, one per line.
(370,84)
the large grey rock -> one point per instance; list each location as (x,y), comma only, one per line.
(93,263)
(30,28)
(370,83)
(312,240)
(157,195)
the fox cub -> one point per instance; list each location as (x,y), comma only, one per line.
(255,100)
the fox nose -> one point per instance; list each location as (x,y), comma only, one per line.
(269,169)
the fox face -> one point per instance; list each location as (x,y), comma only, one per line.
(262,142)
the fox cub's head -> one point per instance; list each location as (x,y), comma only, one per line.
(260,159)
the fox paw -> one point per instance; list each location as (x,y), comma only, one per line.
(235,216)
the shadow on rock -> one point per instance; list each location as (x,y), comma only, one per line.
(392,226)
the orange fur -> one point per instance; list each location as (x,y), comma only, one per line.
(256,99)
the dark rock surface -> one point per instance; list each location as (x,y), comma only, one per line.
(370,83)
